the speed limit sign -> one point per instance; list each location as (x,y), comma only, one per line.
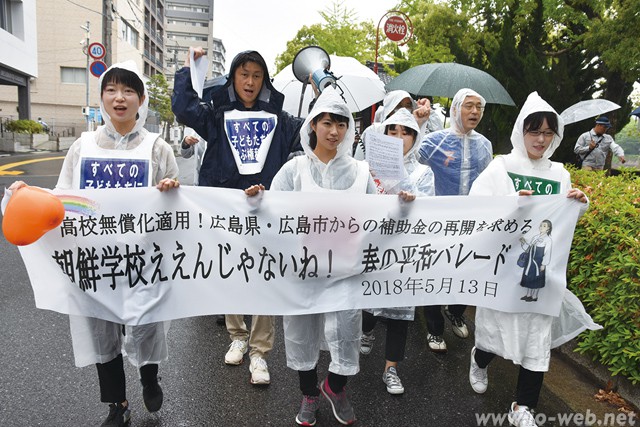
(97,50)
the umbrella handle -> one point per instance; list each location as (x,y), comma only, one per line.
(304,88)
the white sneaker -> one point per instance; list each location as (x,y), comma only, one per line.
(458,324)
(436,343)
(392,380)
(521,417)
(236,352)
(259,371)
(477,375)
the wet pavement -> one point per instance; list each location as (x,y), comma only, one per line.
(41,387)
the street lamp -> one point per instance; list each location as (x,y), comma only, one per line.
(85,49)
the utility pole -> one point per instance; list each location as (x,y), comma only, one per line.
(85,49)
(107,18)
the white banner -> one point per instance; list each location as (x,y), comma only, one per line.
(138,256)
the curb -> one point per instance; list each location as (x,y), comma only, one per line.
(598,374)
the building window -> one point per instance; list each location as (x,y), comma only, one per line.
(5,15)
(73,75)
(129,34)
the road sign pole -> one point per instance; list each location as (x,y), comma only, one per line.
(86,28)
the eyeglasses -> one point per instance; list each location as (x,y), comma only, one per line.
(546,133)
(470,107)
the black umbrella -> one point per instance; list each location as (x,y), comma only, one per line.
(446,79)
(635,112)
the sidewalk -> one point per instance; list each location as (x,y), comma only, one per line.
(571,371)
(574,379)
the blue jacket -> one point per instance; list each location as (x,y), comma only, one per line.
(218,167)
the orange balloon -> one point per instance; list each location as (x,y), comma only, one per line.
(30,213)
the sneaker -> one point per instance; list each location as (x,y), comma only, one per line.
(220,319)
(119,416)
(259,371)
(521,417)
(392,380)
(436,343)
(342,409)
(152,395)
(477,375)
(458,324)
(366,343)
(308,408)
(236,352)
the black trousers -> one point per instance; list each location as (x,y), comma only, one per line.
(396,339)
(435,318)
(529,382)
(112,380)
(309,382)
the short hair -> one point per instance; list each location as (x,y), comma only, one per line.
(248,56)
(548,222)
(125,77)
(313,138)
(534,121)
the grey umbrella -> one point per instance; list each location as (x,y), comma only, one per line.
(445,79)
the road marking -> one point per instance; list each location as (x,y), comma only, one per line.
(4,169)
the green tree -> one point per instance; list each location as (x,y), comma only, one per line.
(341,33)
(567,50)
(160,101)
(629,138)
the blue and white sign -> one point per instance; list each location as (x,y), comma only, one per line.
(97,50)
(250,134)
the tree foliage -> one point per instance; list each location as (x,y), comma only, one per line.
(567,50)
(160,97)
(341,33)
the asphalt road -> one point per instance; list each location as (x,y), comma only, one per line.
(40,386)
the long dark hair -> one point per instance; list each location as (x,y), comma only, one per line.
(313,138)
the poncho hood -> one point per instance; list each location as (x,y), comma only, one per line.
(143,111)
(404,118)
(329,101)
(456,110)
(391,101)
(534,104)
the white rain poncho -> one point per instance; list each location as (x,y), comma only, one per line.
(339,332)
(163,160)
(96,340)
(389,106)
(527,338)
(419,178)
(455,156)
(418,181)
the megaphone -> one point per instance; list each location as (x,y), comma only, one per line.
(314,61)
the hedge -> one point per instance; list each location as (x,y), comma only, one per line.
(604,269)
(24,126)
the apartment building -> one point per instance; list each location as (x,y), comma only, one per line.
(190,23)
(18,56)
(43,55)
